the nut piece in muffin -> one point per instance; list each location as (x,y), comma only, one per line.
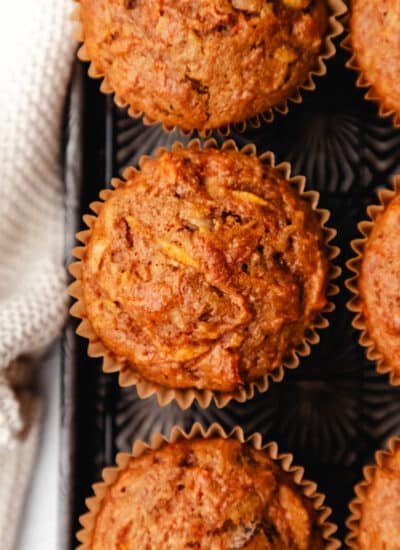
(379,525)
(374,32)
(205,494)
(379,284)
(204,270)
(204,64)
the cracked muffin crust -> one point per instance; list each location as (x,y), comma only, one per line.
(374,33)
(204,270)
(214,494)
(379,284)
(203,64)
(379,526)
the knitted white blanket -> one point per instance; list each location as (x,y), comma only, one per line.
(36,50)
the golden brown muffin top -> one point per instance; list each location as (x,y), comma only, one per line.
(375,37)
(207,63)
(380,283)
(380,512)
(204,270)
(205,494)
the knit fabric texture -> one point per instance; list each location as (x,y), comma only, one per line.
(36,51)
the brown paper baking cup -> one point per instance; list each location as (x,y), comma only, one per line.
(307,488)
(353,522)
(354,265)
(362,81)
(185,397)
(337,9)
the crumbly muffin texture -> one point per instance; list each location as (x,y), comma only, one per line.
(215,494)
(375,38)
(204,270)
(380,512)
(379,284)
(207,63)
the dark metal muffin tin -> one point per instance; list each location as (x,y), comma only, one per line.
(334,411)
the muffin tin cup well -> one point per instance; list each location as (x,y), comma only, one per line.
(337,9)
(158,440)
(354,265)
(361,491)
(185,397)
(362,81)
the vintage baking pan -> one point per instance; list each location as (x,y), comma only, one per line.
(334,411)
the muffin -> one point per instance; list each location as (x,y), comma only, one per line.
(205,493)
(206,64)
(374,522)
(377,285)
(206,269)
(374,41)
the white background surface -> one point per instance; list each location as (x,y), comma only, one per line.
(38,528)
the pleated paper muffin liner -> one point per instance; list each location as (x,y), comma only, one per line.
(307,488)
(362,81)
(337,9)
(185,397)
(353,522)
(354,265)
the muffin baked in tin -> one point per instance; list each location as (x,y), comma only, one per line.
(207,64)
(374,43)
(206,490)
(205,269)
(376,283)
(374,520)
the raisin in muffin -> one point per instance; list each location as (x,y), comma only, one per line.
(204,270)
(374,35)
(379,285)
(215,493)
(203,64)
(375,521)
